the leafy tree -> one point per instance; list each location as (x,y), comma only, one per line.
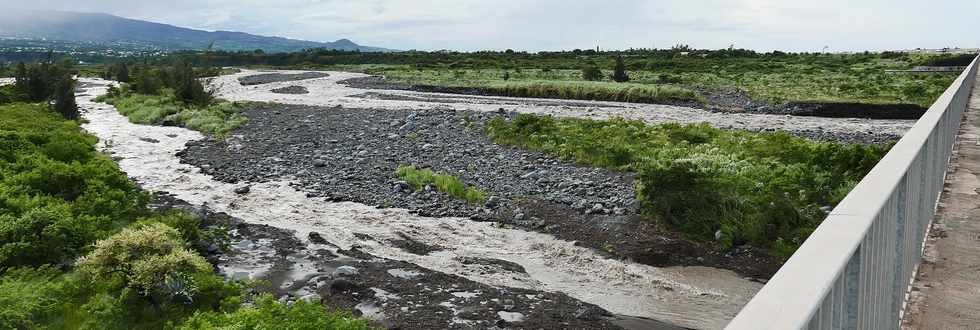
(619,71)
(187,87)
(63,101)
(122,73)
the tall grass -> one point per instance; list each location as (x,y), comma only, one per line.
(448,184)
(765,189)
(600,91)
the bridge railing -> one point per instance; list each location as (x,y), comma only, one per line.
(854,271)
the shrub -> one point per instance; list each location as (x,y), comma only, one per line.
(57,195)
(150,258)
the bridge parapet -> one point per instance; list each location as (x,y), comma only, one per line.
(855,270)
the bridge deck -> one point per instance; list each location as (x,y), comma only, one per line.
(946,294)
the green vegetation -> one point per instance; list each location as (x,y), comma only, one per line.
(765,189)
(266,313)
(448,184)
(79,249)
(44,82)
(774,77)
(171,94)
(217,118)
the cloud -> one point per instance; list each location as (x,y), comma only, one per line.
(556,24)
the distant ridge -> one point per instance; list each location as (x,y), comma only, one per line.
(109,29)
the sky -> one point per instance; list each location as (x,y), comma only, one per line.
(469,25)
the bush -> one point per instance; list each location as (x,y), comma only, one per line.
(57,195)
(150,258)
(591,72)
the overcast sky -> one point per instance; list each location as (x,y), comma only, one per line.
(567,24)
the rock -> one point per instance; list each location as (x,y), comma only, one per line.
(243,190)
(315,238)
(403,186)
(319,163)
(591,313)
(511,317)
(150,140)
(408,127)
(493,201)
(345,271)
(343,285)
(313,298)
(597,209)
(518,216)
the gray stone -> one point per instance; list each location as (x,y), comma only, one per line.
(493,201)
(243,190)
(345,271)
(403,186)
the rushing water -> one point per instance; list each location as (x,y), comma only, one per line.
(697,297)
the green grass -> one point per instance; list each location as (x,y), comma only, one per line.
(445,183)
(764,189)
(217,118)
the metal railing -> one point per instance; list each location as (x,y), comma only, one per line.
(855,270)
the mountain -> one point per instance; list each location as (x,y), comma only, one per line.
(109,29)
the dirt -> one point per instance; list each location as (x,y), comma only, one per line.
(716,100)
(348,154)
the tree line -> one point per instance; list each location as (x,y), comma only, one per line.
(44,82)
(150,79)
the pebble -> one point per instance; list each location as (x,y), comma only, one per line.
(243,190)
